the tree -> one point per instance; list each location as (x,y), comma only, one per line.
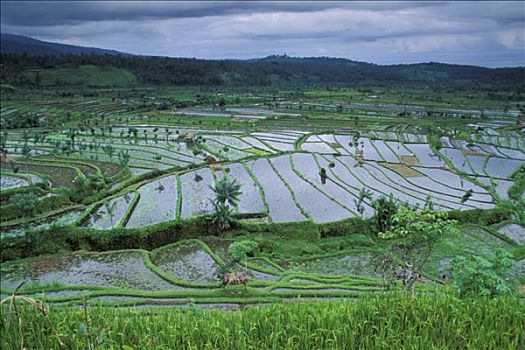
(466,196)
(26,149)
(109,150)
(124,158)
(476,275)
(227,194)
(222,216)
(227,191)
(38,79)
(3,142)
(238,251)
(86,186)
(410,241)
(385,208)
(364,193)
(25,203)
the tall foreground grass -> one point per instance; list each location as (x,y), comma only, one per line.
(380,322)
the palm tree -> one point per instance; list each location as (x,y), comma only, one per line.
(364,193)
(227,194)
(222,216)
(227,191)
(385,208)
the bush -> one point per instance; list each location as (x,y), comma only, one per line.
(481,216)
(240,249)
(518,187)
(349,226)
(42,205)
(477,275)
(24,203)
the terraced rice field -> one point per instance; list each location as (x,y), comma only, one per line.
(283,181)
(186,271)
(311,176)
(291,186)
(175,272)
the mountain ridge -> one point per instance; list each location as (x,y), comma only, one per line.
(19,44)
(273,70)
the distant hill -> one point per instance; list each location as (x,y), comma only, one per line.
(52,64)
(18,44)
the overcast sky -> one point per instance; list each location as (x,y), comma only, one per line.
(479,33)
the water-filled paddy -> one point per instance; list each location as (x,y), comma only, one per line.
(515,232)
(116,269)
(187,262)
(7,182)
(157,202)
(110,213)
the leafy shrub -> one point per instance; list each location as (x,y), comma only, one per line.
(86,186)
(385,208)
(434,139)
(518,187)
(24,203)
(477,275)
(240,249)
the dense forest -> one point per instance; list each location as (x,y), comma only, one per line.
(269,71)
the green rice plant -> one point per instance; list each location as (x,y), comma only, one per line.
(127,214)
(387,321)
(178,207)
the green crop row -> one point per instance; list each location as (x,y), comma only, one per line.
(389,321)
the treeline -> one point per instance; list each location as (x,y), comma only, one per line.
(269,71)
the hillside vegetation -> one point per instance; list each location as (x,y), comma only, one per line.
(19,44)
(85,75)
(269,71)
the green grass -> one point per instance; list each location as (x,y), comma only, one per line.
(398,321)
(257,151)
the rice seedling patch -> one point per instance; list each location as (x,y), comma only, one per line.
(402,170)
(196,192)
(319,206)
(409,160)
(109,214)
(350,264)
(281,205)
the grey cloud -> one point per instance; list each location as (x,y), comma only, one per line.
(486,33)
(49,13)
(44,13)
